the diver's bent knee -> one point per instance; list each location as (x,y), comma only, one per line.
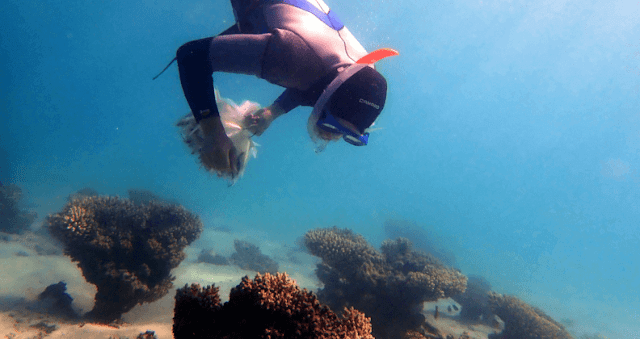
(185,50)
(194,48)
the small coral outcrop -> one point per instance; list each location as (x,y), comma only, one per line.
(389,286)
(147,335)
(13,218)
(248,257)
(268,307)
(475,301)
(421,239)
(126,250)
(83,193)
(210,257)
(55,300)
(523,321)
(141,196)
(418,335)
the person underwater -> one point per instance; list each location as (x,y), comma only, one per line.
(297,44)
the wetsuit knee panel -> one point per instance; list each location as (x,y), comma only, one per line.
(196,52)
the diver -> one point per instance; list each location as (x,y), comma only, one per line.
(297,44)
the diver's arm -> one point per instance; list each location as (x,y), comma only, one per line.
(274,111)
(218,151)
(259,121)
(289,99)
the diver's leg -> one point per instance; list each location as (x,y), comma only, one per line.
(231,53)
(280,57)
(195,76)
(238,53)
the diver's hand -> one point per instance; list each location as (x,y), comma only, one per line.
(218,151)
(259,121)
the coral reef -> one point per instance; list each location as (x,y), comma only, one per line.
(138,196)
(33,243)
(83,193)
(210,257)
(420,335)
(13,218)
(248,256)
(147,335)
(54,300)
(269,306)
(413,335)
(523,321)
(592,336)
(390,287)
(143,335)
(475,300)
(126,250)
(399,228)
(142,197)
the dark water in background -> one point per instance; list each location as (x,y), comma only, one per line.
(511,134)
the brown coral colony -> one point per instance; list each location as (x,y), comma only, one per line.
(126,250)
(391,286)
(270,306)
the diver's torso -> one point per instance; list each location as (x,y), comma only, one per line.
(334,48)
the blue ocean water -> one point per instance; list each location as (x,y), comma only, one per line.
(511,134)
